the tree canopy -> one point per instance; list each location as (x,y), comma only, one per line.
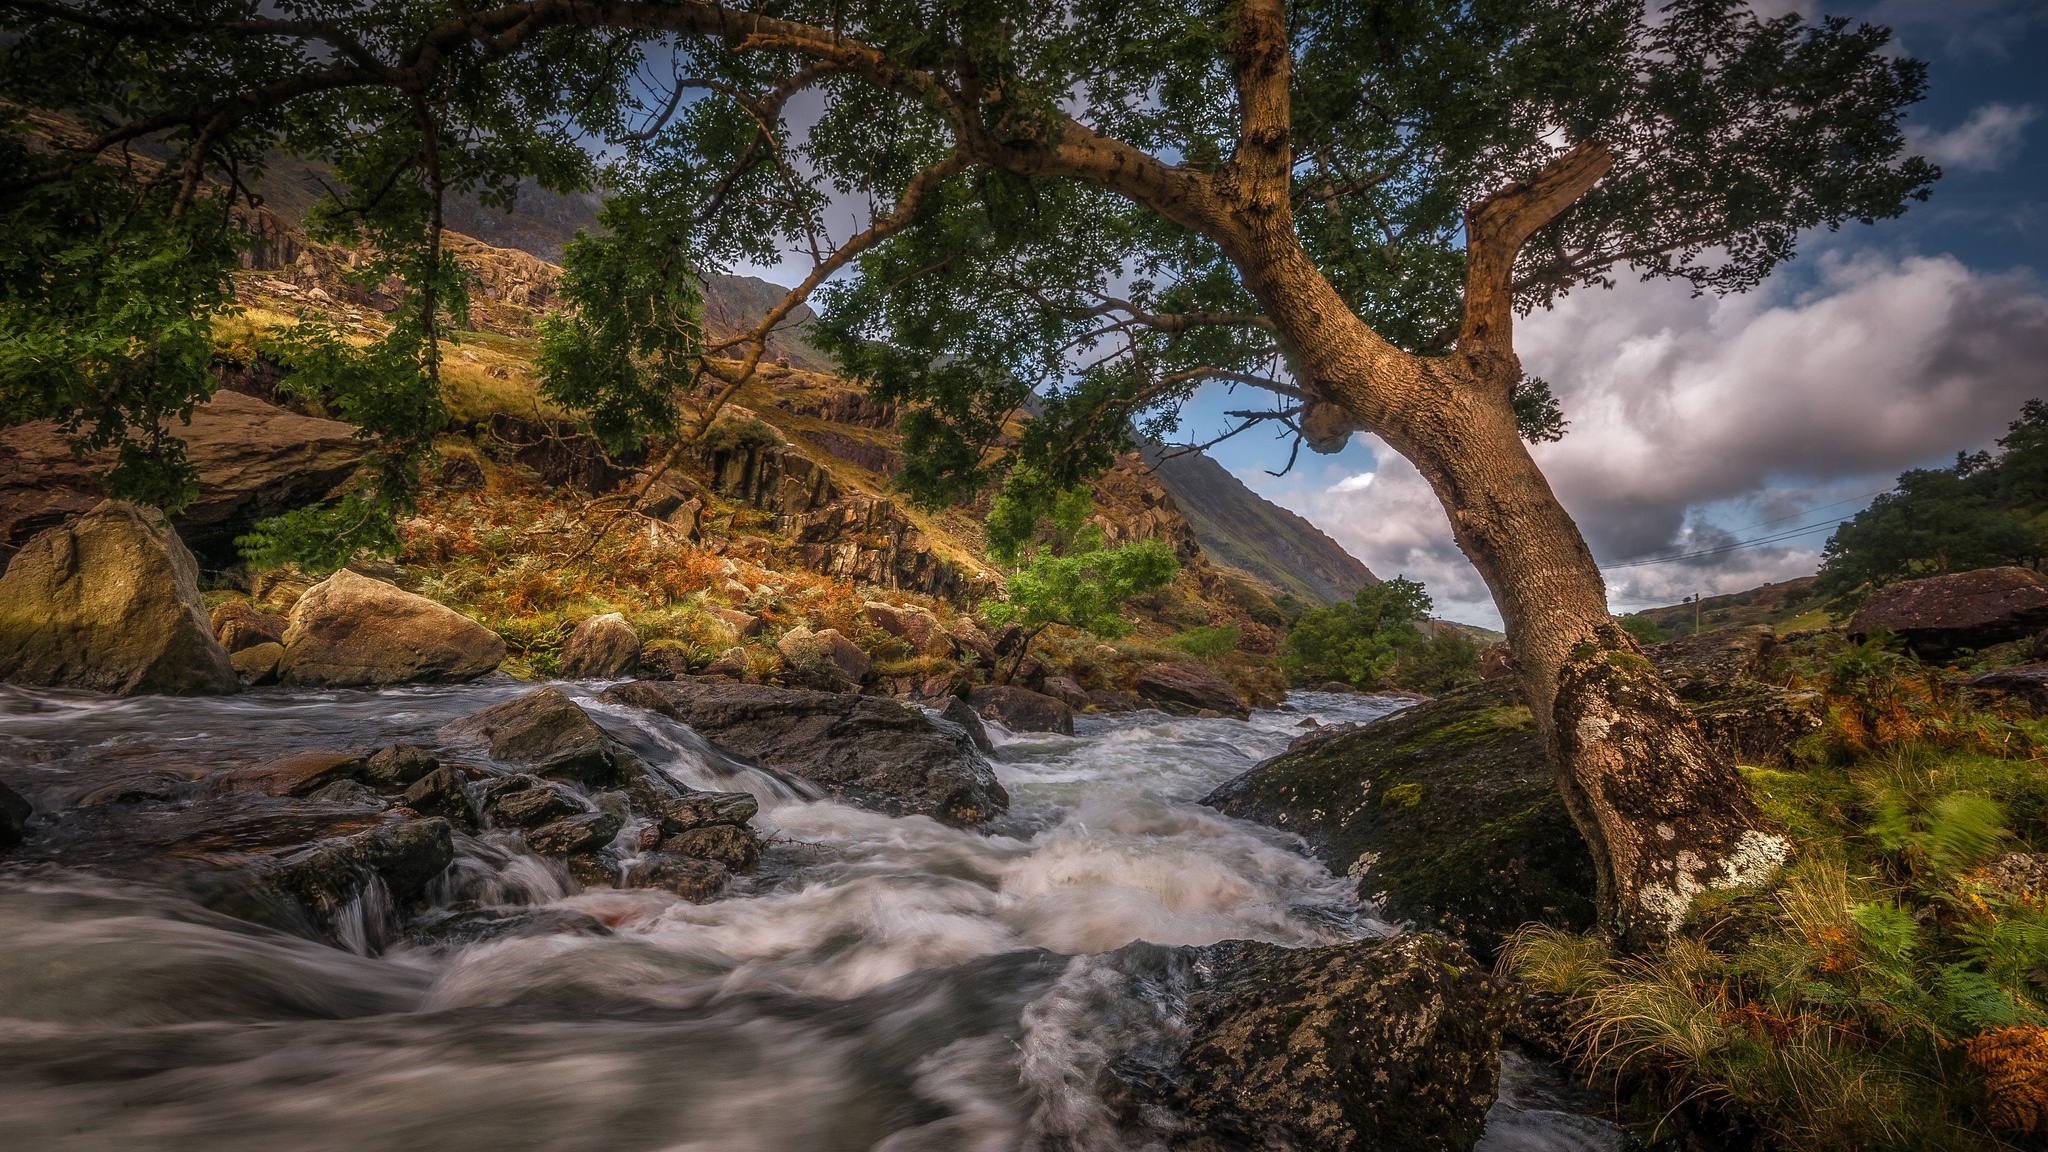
(1028,183)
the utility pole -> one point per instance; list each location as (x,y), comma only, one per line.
(1696,613)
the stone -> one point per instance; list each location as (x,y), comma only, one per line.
(960,712)
(1110,700)
(969,640)
(917,626)
(601,648)
(350,792)
(594,870)
(823,660)
(534,806)
(1743,720)
(872,752)
(254,460)
(398,766)
(2024,684)
(678,809)
(299,774)
(585,833)
(736,848)
(14,816)
(406,856)
(731,663)
(1185,689)
(351,631)
(1940,614)
(743,625)
(110,603)
(257,664)
(238,625)
(440,793)
(1021,709)
(1377,1044)
(545,732)
(691,878)
(1495,660)
(1067,691)
(664,661)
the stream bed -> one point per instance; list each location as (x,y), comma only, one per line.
(880,983)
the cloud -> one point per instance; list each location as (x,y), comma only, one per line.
(1357,482)
(1700,422)
(1986,142)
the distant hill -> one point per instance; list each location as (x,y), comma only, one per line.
(1244,530)
(1786,605)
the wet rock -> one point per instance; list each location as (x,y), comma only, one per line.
(585,833)
(257,664)
(825,661)
(110,603)
(238,625)
(352,631)
(440,793)
(545,732)
(405,856)
(532,807)
(1066,691)
(14,817)
(738,849)
(299,774)
(873,752)
(601,648)
(1110,700)
(350,792)
(693,879)
(1377,1044)
(677,809)
(1445,812)
(154,788)
(1185,689)
(960,712)
(398,766)
(458,926)
(1020,709)
(916,626)
(1940,614)
(594,870)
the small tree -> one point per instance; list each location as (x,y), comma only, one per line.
(1086,589)
(1360,641)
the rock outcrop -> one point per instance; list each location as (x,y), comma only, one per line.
(1940,614)
(1021,709)
(352,631)
(601,648)
(1379,1044)
(824,660)
(544,732)
(254,460)
(915,626)
(110,603)
(872,752)
(1186,689)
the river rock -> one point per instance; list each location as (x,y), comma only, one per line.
(693,879)
(110,603)
(960,712)
(352,631)
(1377,1044)
(324,877)
(601,648)
(825,660)
(257,664)
(1111,700)
(299,774)
(912,624)
(1940,614)
(1185,689)
(530,807)
(1067,691)
(738,849)
(1021,709)
(872,752)
(677,809)
(544,731)
(440,793)
(398,766)
(585,833)
(238,625)
(14,816)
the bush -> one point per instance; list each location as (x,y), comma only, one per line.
(1643,628)
(1373,641)
(1209,644)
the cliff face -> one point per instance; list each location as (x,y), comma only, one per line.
(1244,530)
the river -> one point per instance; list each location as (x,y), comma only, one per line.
(887,984)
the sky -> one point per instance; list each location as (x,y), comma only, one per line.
(1733,433)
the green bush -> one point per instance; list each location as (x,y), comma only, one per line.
(1373,641)
(1208,644)
(1643,628)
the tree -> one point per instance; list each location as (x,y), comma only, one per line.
(1340,205)
(1086,588)
(1361,640)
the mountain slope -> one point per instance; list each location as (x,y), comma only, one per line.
(1244,530)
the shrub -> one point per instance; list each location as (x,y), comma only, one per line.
(1207,644)
(1373,641)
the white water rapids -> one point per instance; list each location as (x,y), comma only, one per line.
(887,984)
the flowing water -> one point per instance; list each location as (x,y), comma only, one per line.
(882,983)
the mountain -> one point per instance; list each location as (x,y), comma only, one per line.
(1246,531)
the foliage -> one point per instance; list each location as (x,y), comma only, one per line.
(1086,588)
(1538,416)
(1643,628)
(1986,510)
(1372,641)
(1028,510)
(1206,643)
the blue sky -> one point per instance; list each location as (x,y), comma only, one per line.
(1704,423)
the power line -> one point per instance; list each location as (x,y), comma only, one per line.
(1645,559)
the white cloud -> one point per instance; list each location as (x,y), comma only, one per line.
(1358,482)
(1986,142)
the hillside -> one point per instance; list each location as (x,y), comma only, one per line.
(1787,606)
(1246,531)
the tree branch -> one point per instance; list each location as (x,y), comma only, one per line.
(1498,226)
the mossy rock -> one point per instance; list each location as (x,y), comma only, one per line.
(1446,812)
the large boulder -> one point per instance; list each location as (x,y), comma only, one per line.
(254,460)
(325,877)
(865,750)
(1940,614)
(1718,676)
(1185,689)
(1021,709)
(352,631)
(544,732)
(237,624)
(601,648)
(915,626)
(110,603)
(1383,1044)
(824,660)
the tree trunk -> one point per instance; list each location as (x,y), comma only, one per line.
(1664,817)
